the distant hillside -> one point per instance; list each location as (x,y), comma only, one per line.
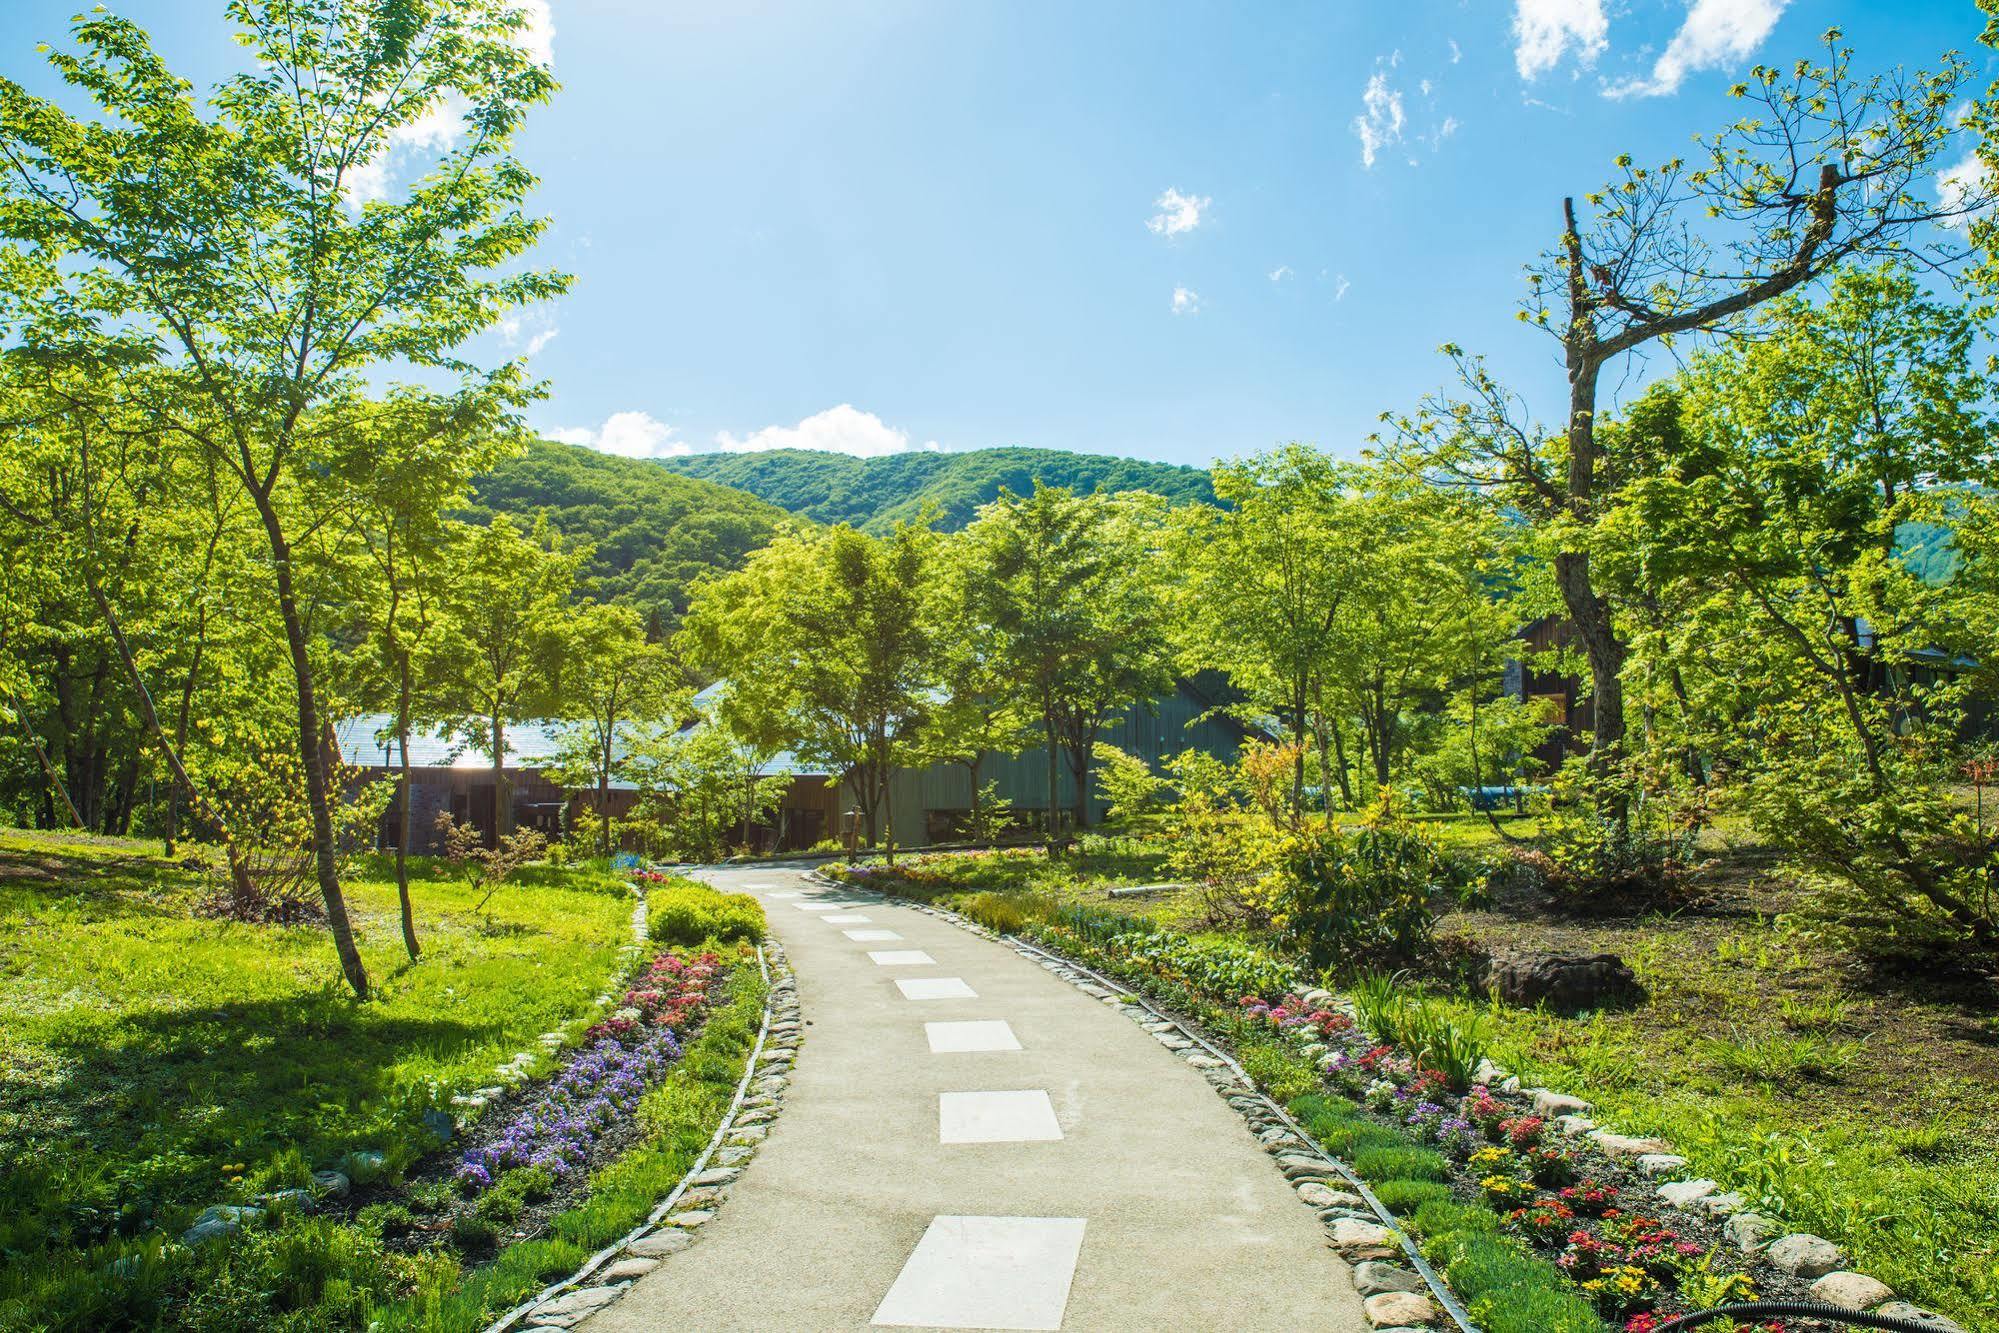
(654,530)
(874,493)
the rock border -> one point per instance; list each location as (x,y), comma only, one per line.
(1799,1256)
(675,1224)
(1398,1297)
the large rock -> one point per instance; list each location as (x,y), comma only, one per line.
(658,1245)
(1552,1105)
(1373,1277)
(1751,1231)
(574,1308)
(1686,1193)
(1852,1291)
(1804,1255)
(224,1219)
(1929,1319)
(1400,1309)
(1562,981)
(1623,1145)
(1355,1240)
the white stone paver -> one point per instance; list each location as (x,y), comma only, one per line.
(986,1272)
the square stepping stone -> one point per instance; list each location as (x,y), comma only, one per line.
(935,988)
(996,1117)
(816,907)
(870,936)
(986,1272)
(979,1034)
(901,958)
(786,894)
(759,888)
(847,919)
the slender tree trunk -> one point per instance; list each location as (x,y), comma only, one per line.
(1298,740)
(1054,794)
(503,803)
(404,689)
(48,771)
(1340,761)
(604,791)
(312,751)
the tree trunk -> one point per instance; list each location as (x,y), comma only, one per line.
(1340,760)
(604,793)
(503,802)
(1298,760)
(55,782)
(1054,794)
(312,751)
(403,833)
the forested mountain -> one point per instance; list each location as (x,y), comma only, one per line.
(873,493)
(654,530)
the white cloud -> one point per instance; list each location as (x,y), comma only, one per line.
(627,434)
(538,37)
(529,332)
(1456,54)
(838,430)
(1280,273)
(1380,123)
(1715,33)
(1186,301)
(1340,290)
(1959,186)
(1546,30)
(1177,213)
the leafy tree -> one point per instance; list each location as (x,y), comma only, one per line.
(229,248)
(1827,168)
(823,640)
(1073,588)
(505,636)
(976,712)
(1818,658)
(616,679)
(421,455)
(1269,578)
(696,785)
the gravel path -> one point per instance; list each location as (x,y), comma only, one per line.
(919,1178)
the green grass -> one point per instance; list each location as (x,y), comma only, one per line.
(1863,1115)
(678,1118)
(158,1062)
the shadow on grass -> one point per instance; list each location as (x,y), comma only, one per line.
(144,1116)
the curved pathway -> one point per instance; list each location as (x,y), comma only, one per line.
(917,1177)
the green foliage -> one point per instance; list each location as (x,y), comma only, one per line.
(686,913)
(1006,913)
(1404,1197)
(1506,1288)
(1400,1162)
(651,532)
(1278,1071)
(1134,791)
(1361,898)
(945,489)
(169,1076)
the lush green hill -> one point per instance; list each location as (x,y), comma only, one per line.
(876,492)
(654,530)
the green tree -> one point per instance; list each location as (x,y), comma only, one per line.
(823,639)
(230,246)
(1268,579)
(1825,168)
(506,632)
(1818,654)
(615,679)
(1074,588)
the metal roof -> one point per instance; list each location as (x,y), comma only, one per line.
(368,741)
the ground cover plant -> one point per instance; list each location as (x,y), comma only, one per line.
(162,1063)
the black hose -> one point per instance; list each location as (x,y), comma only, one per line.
(1804,1310)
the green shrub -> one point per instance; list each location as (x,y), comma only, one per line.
(1405,1196)
(1438,1217)
(1353,898)
(1385,1162)
(1507,1289)
(685,913)
(1277,1071)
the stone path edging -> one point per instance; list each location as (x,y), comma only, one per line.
(571,1300)
(1277,1133)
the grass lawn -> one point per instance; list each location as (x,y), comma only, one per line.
(156,1062)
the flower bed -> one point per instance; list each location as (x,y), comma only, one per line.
(629,1051)
(1535,1234)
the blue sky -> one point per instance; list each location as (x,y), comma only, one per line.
(1178,231)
